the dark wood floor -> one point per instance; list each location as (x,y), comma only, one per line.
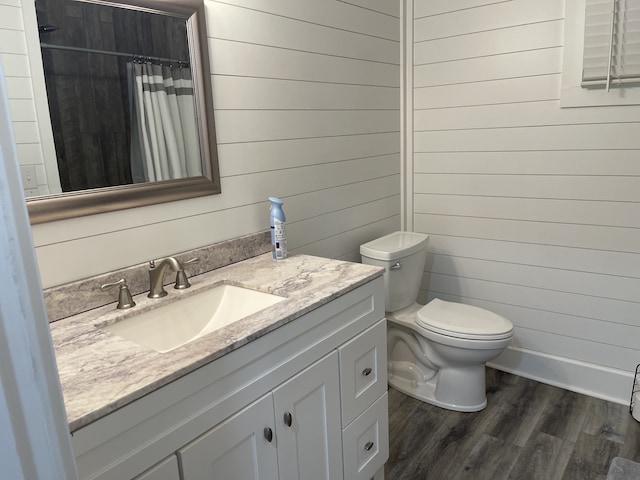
(528,431)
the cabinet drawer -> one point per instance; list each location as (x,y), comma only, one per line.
(363,371)
(365,442)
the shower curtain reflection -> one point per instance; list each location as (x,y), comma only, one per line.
(164,136)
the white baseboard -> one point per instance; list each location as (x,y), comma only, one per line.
(586,378)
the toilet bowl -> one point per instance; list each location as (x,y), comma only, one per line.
(436,352)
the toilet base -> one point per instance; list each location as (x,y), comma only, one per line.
(402,377)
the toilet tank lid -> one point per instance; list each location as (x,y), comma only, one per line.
(463,319)
(394,245)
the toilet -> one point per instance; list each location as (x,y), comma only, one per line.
(435,352)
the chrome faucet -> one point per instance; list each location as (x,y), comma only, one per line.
(156,275)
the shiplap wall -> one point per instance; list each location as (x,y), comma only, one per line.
(533,210)
(307,108)
(18,76)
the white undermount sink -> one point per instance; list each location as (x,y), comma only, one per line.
(184,320)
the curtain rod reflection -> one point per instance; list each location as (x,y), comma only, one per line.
(117,54)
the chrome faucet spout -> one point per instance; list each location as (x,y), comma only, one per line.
(156,275)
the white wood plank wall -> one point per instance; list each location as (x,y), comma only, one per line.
(15,62)
(307,108)
(533,210)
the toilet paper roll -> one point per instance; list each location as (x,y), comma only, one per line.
(636,406)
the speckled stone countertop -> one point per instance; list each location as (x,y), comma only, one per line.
(101,372)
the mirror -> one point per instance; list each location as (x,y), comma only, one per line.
(130,102)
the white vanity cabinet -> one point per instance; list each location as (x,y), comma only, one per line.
(304,438)
(317,383)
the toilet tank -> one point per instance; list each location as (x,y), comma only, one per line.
(403,255)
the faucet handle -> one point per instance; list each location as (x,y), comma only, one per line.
(182,281)
(124,295)
(152,263)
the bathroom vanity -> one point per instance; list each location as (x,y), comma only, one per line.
(297,390)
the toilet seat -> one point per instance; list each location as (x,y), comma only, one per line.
(463,321)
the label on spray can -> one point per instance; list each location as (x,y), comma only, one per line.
(280,247)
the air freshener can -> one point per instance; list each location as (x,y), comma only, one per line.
(278,232)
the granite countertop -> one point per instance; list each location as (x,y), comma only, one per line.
(101,372)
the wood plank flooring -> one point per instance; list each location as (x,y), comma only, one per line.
(529,431)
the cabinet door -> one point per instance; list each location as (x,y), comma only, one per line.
(307,410)
(236,449)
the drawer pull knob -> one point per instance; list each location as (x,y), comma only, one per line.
(268,434)
(366,372)
(368,446)
(288,419)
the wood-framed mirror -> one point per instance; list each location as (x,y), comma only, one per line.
(103,63)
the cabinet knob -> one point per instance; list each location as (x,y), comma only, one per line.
(268,434)
(368,446)
(288,419)
(366,372)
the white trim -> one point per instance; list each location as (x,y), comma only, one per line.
(572,93)
(9,459)
(406,115)
(586,378)
(31,395)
